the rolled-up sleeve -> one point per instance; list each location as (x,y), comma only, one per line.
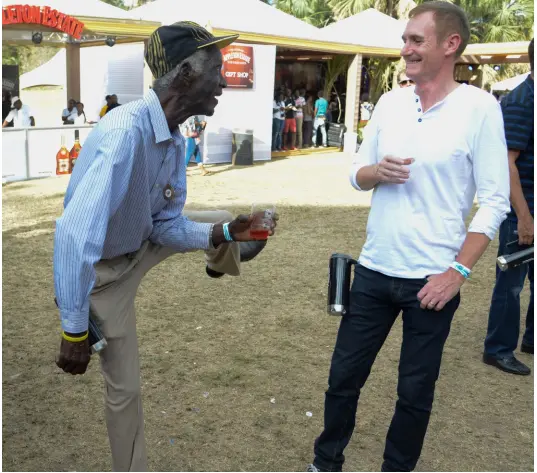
(368,152)
(491,173)
(81,230)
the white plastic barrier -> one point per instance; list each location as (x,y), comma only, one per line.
(29,153)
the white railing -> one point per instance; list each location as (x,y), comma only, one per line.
(29,153)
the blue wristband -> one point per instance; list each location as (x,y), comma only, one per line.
(461,269)
(227,235)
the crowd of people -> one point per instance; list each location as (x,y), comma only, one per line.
(18,115)
(298,118)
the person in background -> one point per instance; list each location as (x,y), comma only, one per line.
(103,111)
(21,115)
(426,152)
(289,132)
(366,109)
(80,119)
(516,233)
(308,121)
(70,113)
(331,112)
(405,81)
(300,101)
(113,103)
(6,105)
(278,121)
(192,129)
(321,107)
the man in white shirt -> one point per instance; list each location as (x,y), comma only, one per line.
(70,113)
(20,115)
(426,151)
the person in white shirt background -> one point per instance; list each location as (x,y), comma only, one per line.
(70,113)
(20,115)
(80,118)
(278,121)
(426,151)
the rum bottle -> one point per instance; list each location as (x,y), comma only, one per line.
(75,150)
(63,163)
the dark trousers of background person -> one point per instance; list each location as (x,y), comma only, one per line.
(307,129)
(277,129)
(504,316)
(375,303)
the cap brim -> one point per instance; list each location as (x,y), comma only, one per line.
(221,42)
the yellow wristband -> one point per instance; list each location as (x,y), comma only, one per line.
(74,339)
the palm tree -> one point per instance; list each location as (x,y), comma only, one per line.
(315,12)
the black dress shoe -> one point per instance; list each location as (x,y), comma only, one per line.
(525,348)
(507,363)
(212,273)
(249,250)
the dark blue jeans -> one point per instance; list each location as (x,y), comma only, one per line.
(277,131)
(504,316)
(375,303)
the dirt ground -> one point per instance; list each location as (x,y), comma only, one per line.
(214,352)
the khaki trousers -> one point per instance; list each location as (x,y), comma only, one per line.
(112,304)
(299,122)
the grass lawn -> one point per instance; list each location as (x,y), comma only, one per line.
(214,352)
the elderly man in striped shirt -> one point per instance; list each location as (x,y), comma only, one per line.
(124,214)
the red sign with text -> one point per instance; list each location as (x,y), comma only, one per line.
(238,66)
(46,16)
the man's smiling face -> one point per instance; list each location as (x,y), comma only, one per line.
(423,53)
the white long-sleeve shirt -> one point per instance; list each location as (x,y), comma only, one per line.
(417,228)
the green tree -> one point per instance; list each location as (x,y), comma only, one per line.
(117,3)
(27,57)
(315,12)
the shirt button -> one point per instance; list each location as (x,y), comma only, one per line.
(419,119)
(419,109)
(417,100)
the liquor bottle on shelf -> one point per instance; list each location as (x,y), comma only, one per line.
(63,163)
(75,150)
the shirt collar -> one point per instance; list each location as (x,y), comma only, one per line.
(157,117)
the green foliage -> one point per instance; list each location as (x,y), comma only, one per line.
(334,68)
(27,57)
(315,12)
(117,3)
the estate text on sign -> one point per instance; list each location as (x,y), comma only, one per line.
(238,66)
(46,16)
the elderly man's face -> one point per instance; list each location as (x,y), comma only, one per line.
(423,54)
(205,83)
(71,104)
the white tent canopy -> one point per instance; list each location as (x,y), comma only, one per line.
(367,28)
(247,16)
(50,73)
(511,83)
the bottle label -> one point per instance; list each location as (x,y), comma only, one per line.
(63,165)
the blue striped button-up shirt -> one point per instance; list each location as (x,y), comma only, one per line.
(115,201)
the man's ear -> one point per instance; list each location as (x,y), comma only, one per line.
(452,43)
(184,75)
